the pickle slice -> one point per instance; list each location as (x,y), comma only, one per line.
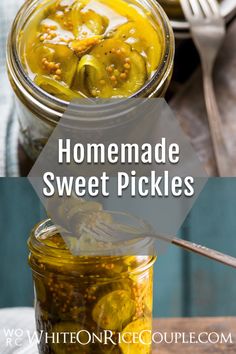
(114,310)
(93,23)
(112,69)
(37,54)
(144,39)
(54,60)
(81,79)
(87,22)
(55,88)
(67,61)
(143,327)
(81,46)
(69,347)
(107,288)
(86,207)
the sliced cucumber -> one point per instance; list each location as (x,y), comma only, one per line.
(88,62)
(112,69)
(111,286)
(144,39)
(87,22)
(67,59)
(143,327)
(55,88)
(36,55)
(93,23)
(114,310)
(83,207)
(63,58)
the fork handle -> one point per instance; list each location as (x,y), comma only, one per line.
(214,119)
(206,252)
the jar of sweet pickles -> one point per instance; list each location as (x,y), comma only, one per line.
(91,303)
(64,50)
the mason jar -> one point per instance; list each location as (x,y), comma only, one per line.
(103,302)
(38,112)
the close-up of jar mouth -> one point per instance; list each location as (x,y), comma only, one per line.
(54,106)
(140,246)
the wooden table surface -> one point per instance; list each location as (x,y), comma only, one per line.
(23,318)
(225,325)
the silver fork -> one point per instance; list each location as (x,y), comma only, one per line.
(208,31)
(113,233)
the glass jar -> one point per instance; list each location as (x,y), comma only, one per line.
(91,298)
(38,112)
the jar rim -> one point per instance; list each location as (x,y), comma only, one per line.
(47,227)
(56,106)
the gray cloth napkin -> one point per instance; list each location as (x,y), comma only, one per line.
(17,323)
(8,121)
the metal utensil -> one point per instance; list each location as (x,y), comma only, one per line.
(208,31)
(116,233)
(181,26)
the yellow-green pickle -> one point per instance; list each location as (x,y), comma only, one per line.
(89,304)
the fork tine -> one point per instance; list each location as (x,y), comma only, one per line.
(196,7)
(103,234)
(114,234)
(207,10)
(187,8)
(214,7)
(98,234)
